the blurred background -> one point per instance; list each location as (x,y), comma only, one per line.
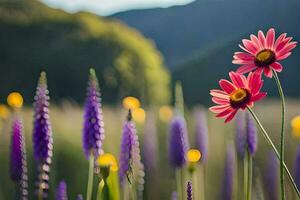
(140,49)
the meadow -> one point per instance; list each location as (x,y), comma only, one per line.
(69,162)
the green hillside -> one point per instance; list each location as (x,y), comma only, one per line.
(34,37)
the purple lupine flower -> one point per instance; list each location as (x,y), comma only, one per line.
(93,131)
(251,134)
(178,142)
(130,159)
(150,143)
(297,168)
(271,176)
(189,191)
(240,139)
(229,170)
(174,196)
(42,135)
(18,163)
(61,191)
(246,135)
(79,197)
(202,135)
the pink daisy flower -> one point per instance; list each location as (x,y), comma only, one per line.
(262,53)
(237,94)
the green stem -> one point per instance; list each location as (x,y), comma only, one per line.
(249,173)
(246,166)
(178,183)
(265,134)
(195,185)
(281,133)
(90,178)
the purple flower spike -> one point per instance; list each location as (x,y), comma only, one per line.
(93,131)
(246,135)
(42,132)
(18,163)
(202,135)
(189,191)
(42,135)
(79,197)
(228,179)
(251,135)
(174,196)
(271,177)
(297,168)
(150,143)
(131,166)
(178,142)
(240,139)
(61,191)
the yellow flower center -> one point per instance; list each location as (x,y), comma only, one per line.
(264,58)
(239,98)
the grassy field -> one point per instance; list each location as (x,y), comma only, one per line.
(70,164)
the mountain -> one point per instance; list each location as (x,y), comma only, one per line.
(34,37)
(199,39)
(183,32)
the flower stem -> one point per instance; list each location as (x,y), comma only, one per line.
(281,133)
(249,174)
(265,134)
(90,178)
(246,166)
(195,184)
(178,183)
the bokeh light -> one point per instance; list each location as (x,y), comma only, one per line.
(15,100)
(193,155)
(4,111)
(295,123)
(131,103)
(108,159)
(139,115)
(165,113)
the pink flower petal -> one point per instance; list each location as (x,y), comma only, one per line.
(282,43)
(237,79)
(259,70)
(259,96)
(268,72)
(262,39)
(219,108)
(279,41)
(284,56)
(270,39)
(255,40)
(227,86)
(246,68)
(245,49)
(286,49)
(231,116)
(250,46)
(225,112)
(220,101)
(217,93)
(255,82)
(243,56)
(276,66)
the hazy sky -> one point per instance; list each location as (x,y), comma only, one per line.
(106,7)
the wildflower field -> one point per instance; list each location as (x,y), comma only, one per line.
(136,134)
(69,163)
